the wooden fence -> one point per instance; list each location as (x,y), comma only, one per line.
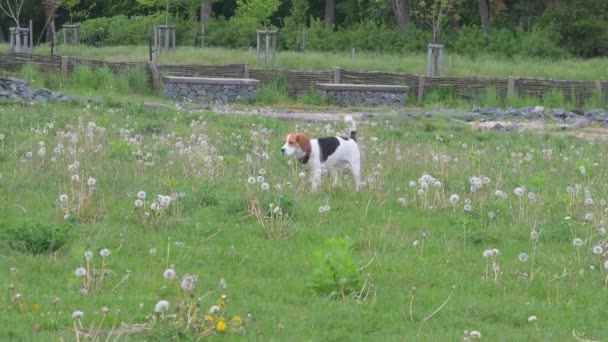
(298,81)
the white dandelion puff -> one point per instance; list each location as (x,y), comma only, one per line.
(169,274)
(81,272)
(77,315)
(523,257)
(598,250)
(141,195)
(577,242)
(104,253)
(161,306)
(454,199)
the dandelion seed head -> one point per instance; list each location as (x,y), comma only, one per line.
(161,306)
(577,242)
(488,253)
(454,199)
(63,198)
(91,182)
(141,195)
(81,272)
(251,180)
(523,257)
(598,250)
(139,203)
(88,255)
(169,274)
(532,319)
(104,253)
(77,315)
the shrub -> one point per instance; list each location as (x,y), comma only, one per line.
(122,30)
(233,33)
(580,27)
(503,42)
(470,42)
(30,236)
(335,273)
(541,42)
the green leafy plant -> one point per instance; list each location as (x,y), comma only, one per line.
(336,273)
(35,237)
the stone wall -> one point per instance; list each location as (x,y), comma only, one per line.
(363,94)
(210,90)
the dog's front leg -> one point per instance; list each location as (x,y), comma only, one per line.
(316,179)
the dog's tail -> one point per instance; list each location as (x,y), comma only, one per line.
(352,126)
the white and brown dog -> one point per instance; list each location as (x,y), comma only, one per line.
(331,153)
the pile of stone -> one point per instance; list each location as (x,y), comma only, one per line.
(15,89)
(575,118)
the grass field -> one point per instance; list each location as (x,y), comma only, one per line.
(331,266)
(455,65)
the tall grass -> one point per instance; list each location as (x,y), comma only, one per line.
(456,65)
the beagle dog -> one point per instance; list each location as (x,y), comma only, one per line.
(331,153)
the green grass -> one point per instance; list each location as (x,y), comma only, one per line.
(455,65)
(369,237)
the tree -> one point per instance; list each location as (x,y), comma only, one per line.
(330,13)
(484,15)
(12,9)
(401,8)
(435,15)
(50,13)
(258,10)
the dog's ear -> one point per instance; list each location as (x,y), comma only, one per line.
(303,141)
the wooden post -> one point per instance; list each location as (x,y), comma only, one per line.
(257,53)
(173,31)
(274,48)
(337,74)
(246,70)
(155,40)
(166,40)
(155,75)
(510,87)
(440,62)
(64,65)
(420,88)
(267,47)
(203,35)
(31,38)
(598,90)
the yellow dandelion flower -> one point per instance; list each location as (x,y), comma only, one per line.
(220,325)
(208,318)
(222,303)
(35,307)
(237,321)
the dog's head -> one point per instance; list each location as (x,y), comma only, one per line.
(296,143)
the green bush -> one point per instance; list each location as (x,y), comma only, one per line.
(470,42)
(335,273)
(233,33)
(34,237)
(122,30)
(503,42)
(541,42)
(581,28)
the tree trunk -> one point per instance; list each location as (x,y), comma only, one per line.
(484,15)
(330,13)
(50,13)
(401,8)
(206,11)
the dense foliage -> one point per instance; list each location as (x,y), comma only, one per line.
(535,28)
